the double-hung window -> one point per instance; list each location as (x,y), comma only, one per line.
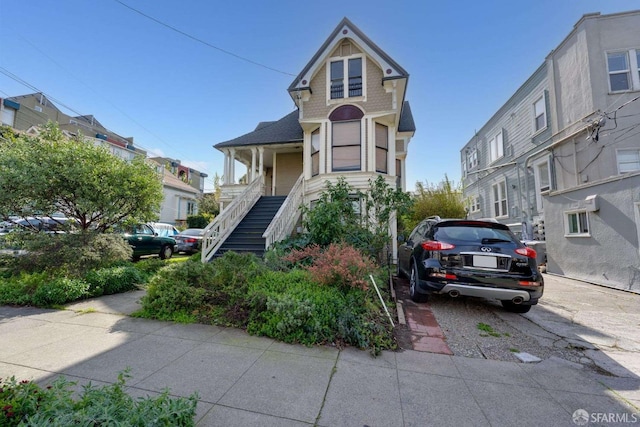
(382,147)
(542,178)
(496,147)
(352,69)
(474,204)
(540,115)
(624,70)
(576,223)
(499,192)
(315,152)
(628,160)
(346,146)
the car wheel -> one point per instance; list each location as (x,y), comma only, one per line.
(515,308)
(413,286)
(166,252)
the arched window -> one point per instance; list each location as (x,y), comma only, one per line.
(346,141)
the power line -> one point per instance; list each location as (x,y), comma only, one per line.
(203,41)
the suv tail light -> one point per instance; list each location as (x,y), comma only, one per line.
(432,245)
(526,251)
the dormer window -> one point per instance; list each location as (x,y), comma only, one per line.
(352,69)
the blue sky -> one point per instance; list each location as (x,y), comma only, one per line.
(178,97)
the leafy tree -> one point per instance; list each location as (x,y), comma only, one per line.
(50,173)
(444,200)
(208,204)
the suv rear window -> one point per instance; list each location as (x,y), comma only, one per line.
(472,234)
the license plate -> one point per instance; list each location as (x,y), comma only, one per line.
(485,261)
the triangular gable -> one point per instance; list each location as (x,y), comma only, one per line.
(346,29)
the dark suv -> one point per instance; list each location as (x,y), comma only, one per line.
(473,258)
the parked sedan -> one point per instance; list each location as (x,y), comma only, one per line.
(145,241)
(189,240)
(472,258)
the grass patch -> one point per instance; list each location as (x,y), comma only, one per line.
(514,350)
(488,330)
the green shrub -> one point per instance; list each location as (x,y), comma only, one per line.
(26,403)
(19,290)
(113,280)
(59,291)
(199,221)
(216,291)
(74,253)
(291,307)
(149,266)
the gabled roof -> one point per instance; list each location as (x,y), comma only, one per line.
(287,129)
(346,29)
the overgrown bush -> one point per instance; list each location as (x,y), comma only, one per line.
(113,280)
(26,403)
(199,221)
(213,292)
(74,253)
(19,289)
(59,291)
(338,265)
(292,307)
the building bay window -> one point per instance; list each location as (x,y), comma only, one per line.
(315,152)
(346,146)
(382,148)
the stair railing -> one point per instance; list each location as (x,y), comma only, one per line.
(287,216)
(221,227)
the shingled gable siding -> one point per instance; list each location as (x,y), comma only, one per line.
(377,98)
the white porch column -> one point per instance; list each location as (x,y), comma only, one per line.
(391,151)
(252,174)
(261,161)
(232,166)
(225,174)
(273,176)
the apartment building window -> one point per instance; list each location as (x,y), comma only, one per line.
(499,191)
(576,223)
(496,147)
(315,152)
(474,204)
(624,70)
(542,176)
(540,114)
(399,173)
(472,158)
(352,68)
(628,160)
(382,147)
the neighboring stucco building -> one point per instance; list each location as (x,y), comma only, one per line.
(350,119)
(570,169)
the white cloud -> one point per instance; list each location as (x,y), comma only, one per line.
(155,152)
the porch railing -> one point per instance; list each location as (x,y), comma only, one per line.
(222,226)
(287,216)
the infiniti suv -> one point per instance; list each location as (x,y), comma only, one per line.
(479,258)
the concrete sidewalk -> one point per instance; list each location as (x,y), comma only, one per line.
(245,381)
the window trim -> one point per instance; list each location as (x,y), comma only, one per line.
(637,150)
(378,147)
(503,199)
(345,78)
(577,212)
(359,145)
(314,153)
(632,71)
(536,175)
(544,113)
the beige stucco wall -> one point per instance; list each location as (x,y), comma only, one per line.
(288,170)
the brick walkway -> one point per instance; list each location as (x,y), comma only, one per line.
(425,333)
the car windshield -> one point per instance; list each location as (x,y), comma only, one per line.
(483,235)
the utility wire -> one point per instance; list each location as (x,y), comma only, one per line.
(203,41)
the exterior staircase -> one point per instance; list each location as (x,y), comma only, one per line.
(247,236)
